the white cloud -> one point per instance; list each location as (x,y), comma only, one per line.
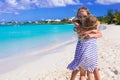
(16,13)
(26,1)
(54,3)
(8,6)
(89,3)
(12,2)
(107,1)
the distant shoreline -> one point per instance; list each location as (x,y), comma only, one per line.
(35,24)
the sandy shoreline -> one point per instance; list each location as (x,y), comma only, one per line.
(52,66)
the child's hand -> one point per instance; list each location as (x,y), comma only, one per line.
(76,24)
(96,34)
(93,33)
(90,36)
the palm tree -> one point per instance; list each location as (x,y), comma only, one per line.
(117,17)
(110,16)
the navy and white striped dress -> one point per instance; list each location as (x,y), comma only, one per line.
(85,55)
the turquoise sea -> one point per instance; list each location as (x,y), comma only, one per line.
(19,39)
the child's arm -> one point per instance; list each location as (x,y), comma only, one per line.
(98,33)
(95,33)
(74,21)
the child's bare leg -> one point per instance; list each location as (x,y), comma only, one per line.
(74,74)
(96,74)
(90,75)
(82,74)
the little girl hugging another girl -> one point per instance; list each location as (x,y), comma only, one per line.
(85,59)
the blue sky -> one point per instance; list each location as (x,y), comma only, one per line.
(34,10)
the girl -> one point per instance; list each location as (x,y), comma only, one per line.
(85,51)
(89,24)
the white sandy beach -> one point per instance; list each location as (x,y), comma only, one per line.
(52,65)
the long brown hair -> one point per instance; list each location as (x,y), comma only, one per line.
(89,23)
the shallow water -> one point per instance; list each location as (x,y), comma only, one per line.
(18,39)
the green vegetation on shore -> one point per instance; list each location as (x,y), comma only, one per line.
(63,21)
(112,17)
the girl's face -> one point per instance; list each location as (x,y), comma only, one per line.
(82,15)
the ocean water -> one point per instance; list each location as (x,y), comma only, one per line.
(18,39)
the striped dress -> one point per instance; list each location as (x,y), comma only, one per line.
(85,55)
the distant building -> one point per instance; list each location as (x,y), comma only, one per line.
(57,20)
(71,18)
